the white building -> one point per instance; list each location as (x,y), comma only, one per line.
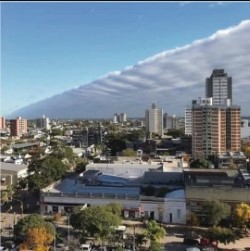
(245,129)
(120,186)
(43,123)
(154,120)
(188,121)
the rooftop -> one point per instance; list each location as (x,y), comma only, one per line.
(12,167)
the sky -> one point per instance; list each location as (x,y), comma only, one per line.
(49,48)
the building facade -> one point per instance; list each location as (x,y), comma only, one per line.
(2,123)
(219,87)
(208,130)
(43,123)
(170,122)
(18,126)
(233,130)
(154,120)
(188,121)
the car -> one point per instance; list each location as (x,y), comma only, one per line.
(85,247)
(190,241)
(61,247)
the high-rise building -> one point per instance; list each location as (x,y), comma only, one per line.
(188,121)
(2,123)
(115,118)
(154,120)
(119,118)
(123,117)
(18,126)
(219,87)
(170,122)
(233,130)
(208,129)
(43,123)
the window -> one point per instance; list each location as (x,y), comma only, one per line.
(178,213)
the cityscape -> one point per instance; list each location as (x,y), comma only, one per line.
(153,157)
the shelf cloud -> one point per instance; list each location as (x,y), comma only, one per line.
(171,79)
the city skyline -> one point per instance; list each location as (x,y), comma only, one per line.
(128,64)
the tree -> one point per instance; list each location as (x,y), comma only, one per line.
(176,132)
(215,211)
(115,208)
(155,246)
(129,152)
(96,221)
(116,142)
(81,164)
(30,222)
(45,172)
(199,163)
(38,239)
(56,132)
(223,235)
(242,214)
(154,231)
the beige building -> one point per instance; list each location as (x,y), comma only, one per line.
(233,133)
(2,123)
(215,129)
(154,120)
(18,126)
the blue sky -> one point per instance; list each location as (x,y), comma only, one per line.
(48,48)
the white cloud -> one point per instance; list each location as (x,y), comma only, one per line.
(172,78)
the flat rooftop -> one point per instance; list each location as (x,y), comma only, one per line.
(12,167)
(69,186)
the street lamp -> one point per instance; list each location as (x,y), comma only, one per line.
(21,204)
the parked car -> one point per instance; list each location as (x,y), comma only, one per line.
(85,247)
(190,241)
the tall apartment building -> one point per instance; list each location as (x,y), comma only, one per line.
(43,123)
(119,118)
(233,130)
(18,126)
(188,121)
(170,122)
(219,87)
(216,122)
(154,120)
(2,123)
(208,130)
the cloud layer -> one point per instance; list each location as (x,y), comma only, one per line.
(172,79)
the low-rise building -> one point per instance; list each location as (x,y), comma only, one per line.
(10,173)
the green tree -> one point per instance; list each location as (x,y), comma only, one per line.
(45,172)
(115,208)
(96,221)
(129,152)
(31,221)
(4,148)
(56,132)
(223,235)
(215,211)
(116,142)
(154,232)
(199,163)
(175,133)
(155,246)
(81,164)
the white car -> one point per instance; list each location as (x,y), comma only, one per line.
(85,247)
